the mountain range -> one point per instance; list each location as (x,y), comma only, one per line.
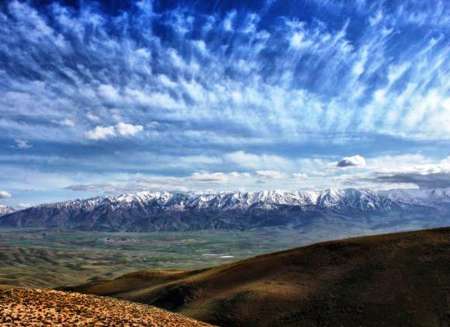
(4,210)
(171,211)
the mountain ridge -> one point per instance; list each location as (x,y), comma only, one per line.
(4,210)
(151,211)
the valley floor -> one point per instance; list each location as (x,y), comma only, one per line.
(43,258)
(400,279)
(387,280)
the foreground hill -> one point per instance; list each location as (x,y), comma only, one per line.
(155,211)
(389,280)
(38,307)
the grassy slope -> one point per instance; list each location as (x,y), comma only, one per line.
(389,280)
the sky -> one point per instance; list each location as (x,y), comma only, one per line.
(107,98)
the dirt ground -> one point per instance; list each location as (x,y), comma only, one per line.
(40,307)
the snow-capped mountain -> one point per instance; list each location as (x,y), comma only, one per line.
(150,211)
(5,210)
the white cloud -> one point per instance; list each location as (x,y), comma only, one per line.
(275,102)
(234,83)
(403,171)
(108,92)
(300,175)
(353,161)
(271,174)
(399,163)
(67,122)
(296,40)
(228,21)
(299,41)
(151,99)
(166,81)
(217,176)
(107,132)
(258,161)
(209,177)
(93,117)
(22,144)
(4,195)
(101,133)
(124,129)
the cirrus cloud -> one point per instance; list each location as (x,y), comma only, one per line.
(220,89)
(22,144)
(107,132)
(271,174)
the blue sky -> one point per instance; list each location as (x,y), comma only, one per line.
(100,98)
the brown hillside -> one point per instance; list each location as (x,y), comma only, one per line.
(389,280)
(38,307)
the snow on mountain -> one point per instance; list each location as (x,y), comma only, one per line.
(147,211)
(5,210)
(328,199)
(425,197)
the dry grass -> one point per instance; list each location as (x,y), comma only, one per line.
(389,280)
(39,307)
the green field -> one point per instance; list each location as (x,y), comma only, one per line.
(55,258)
(42,258)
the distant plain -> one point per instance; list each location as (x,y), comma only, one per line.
(43,258)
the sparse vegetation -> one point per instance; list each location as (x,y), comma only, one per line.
(35,258)
(39,307)
(389,280)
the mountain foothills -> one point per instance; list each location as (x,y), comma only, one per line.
(398,279)
(157,211)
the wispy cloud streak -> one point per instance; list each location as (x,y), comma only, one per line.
(230,83)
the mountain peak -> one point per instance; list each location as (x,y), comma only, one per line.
(147,211)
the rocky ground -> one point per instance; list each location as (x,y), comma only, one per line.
(41,307)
